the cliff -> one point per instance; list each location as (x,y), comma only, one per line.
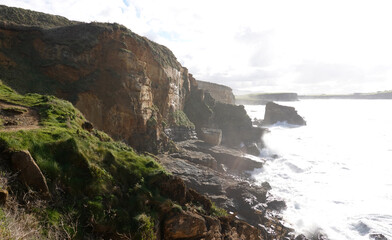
(264,98)
(87,186)
(121,82)
(219,92)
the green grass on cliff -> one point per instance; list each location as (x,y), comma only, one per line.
(32,18)
(103,183)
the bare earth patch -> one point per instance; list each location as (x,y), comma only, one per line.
(14,117)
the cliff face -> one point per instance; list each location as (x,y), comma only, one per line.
(123,83)
(219,92)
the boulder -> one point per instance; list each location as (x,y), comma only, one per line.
(211,136)
(277,113)
(88,126)
(3,196)
(184,225)
(253,149)
(29,172)
(377,236)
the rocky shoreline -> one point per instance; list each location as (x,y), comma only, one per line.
(223,174)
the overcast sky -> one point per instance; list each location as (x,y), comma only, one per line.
(312,46)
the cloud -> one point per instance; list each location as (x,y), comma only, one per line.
(257,45)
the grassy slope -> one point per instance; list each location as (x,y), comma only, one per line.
(102,182)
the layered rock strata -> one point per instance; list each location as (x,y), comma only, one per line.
(275,113)
(219,92)
(123,83)
(221,174)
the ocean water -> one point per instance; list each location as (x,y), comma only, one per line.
(336,172)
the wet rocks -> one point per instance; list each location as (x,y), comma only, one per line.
(250,202)
(233,160)
(377,236)
(211,136)
(277,113)
(29,172)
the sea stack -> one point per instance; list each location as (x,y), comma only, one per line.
(278,113)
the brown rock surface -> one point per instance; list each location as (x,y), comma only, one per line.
(29,172)
(120,81)
(184,225)
(219,92)
(211,136)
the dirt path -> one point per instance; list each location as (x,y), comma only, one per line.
(14,117)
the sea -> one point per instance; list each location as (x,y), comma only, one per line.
(335,173)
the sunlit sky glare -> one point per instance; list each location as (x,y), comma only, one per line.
(304,46)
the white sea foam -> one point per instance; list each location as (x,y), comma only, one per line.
(336,172)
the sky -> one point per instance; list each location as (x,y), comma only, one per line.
(303,46)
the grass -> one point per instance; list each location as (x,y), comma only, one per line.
(27,17)
(179,119)
(103,182)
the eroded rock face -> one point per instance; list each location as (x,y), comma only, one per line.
(219,92)
(184,225)
(123,83)
(236,126)
(277,113)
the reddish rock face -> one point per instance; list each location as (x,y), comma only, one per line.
(117,79)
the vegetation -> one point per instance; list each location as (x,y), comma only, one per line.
(179,119)
(27,17)
(94,181)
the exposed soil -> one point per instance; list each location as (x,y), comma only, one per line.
(14,117)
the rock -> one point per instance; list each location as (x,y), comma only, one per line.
(88,126)
(234,160)
(3,196)
(180,133)
(214,228)
(219,92)
(301,237)
(377,236)
(277,113)
(174,187)
(200,198)
(236,126)
(29,172)
(277,205)
(211,136)
(198,158)
(253,149)
(184,225)
(119,80)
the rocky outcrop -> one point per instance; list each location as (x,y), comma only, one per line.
(277,113)
(189,222)
(236,126)
(125,84)
(229,188)
(29,172)
(211,136)
(184,225)
(219,92)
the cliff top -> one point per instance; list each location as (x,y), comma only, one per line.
(59,27)
(32,18)
(214,84)
(96,175)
